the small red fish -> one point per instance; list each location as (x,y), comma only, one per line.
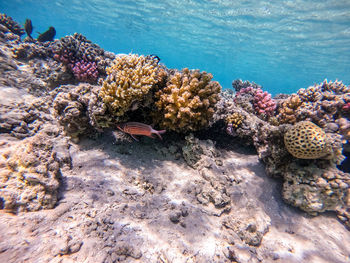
(137,128)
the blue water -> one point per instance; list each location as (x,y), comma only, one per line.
(281,45)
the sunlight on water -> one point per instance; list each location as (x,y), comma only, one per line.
(282,45)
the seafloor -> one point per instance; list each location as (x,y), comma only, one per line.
(73,189)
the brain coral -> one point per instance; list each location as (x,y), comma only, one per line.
(129,80)
(306,140)
(29,177)
(188,100)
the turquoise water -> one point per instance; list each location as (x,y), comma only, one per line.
(281,45)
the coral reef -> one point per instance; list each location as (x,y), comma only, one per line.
(280,147)
(12,25)
(187,103)
(129,82)
(321,104)
(29,175)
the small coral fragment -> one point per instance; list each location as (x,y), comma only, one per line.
(235,119)
(306,140)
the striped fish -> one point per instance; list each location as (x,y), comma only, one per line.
(137,128)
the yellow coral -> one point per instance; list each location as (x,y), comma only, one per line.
(235,119)
(129,80)
(187,102)
(306,140)
(287,110)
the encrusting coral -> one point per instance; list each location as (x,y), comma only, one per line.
(188,101)
(29,177)
(129,82)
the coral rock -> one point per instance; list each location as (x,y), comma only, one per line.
(29,178)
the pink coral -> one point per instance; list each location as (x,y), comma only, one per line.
(346,107)
(85,71)
(263,103)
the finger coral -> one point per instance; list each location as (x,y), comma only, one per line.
(188,100)
(129,81)
(29,177)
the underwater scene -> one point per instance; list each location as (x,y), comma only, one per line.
(175,131)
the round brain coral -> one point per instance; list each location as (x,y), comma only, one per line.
(306,140)
(129,80)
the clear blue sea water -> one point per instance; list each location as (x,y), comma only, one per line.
(281,45)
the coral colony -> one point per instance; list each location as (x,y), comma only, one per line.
(93,90)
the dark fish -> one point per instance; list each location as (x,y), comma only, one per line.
(47,35)
(153,56)
(28,27)
(137,128)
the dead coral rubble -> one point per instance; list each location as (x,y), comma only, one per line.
(29,175)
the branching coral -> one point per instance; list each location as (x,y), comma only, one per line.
(29,177)
(129,82)
(188,100)
(11,25)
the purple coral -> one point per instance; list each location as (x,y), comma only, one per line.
(263,103)
(85,71)
(82,69)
